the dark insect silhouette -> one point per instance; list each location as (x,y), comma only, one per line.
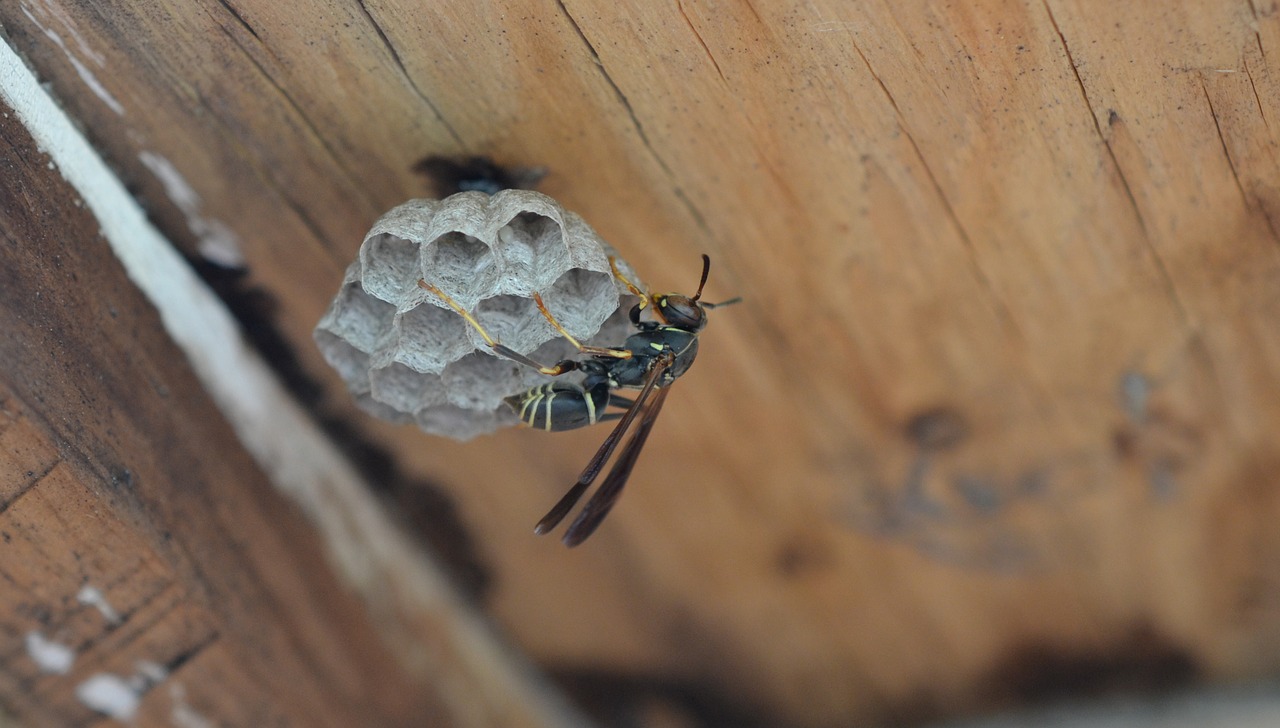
(662,349)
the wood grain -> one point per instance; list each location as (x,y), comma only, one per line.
(1046,230)
(204,596)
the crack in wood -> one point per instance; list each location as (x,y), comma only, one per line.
(1226,152)
(404,71)
(1266,211)
(1256,98)
(1257,36)
(177,661)
(1112,118)
(240,18)
(292,104)
(766,162)
(679,193)
(293,205)
(36,479)
(984,281)
(698,36)
(754,13)
(1222,140)
(1162,270)
(130,630)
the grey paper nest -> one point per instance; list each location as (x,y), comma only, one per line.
(407,356)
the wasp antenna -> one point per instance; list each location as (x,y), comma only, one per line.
(706,268)
(730,302)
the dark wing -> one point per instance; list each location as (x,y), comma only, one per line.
(598,507)
(561,508)
(589,473)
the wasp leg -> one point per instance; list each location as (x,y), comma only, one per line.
(613,264)
(645,298)
(617,400)
(593,350)
(552,371)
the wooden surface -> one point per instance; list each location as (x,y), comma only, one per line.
(135,531)
(997,420)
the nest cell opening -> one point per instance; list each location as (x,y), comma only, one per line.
(479,381)
(534,251)
(513,321)
(583,297)
(462,266)
(617,327)
(390,267)
(359,319)
(349,362)
(404,389)
(431,337)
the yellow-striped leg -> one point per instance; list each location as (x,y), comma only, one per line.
(593,350)
(502,349)
(635,291)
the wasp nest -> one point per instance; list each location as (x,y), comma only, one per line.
(407,356)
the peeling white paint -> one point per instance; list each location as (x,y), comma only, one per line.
(183,715)
(110,695)
(149,673)
(239,380)
(92,597)
(85,73)
(175,185)
(48,655)
(217,242)
(376,558)
(117,696)
(60,13)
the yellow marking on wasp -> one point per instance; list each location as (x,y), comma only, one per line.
(655,345)
(535,397)
(551,397)
(591,407)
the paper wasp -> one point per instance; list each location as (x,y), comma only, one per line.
(649,360)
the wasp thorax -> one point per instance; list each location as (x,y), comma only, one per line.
(406,355)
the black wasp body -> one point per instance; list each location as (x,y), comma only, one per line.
(661,350)
(565,406)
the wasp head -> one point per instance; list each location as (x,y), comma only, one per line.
(686,312)
(680,311)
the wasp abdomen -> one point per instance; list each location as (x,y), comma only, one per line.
(560,406)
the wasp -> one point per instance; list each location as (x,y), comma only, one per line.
(662,349)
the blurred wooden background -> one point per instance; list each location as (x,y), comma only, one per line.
(998,420)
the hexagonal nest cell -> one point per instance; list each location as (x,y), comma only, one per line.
(407,356)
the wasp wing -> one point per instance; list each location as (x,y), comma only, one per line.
(598,507)
(607,447)
(589,473)
(561,508)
